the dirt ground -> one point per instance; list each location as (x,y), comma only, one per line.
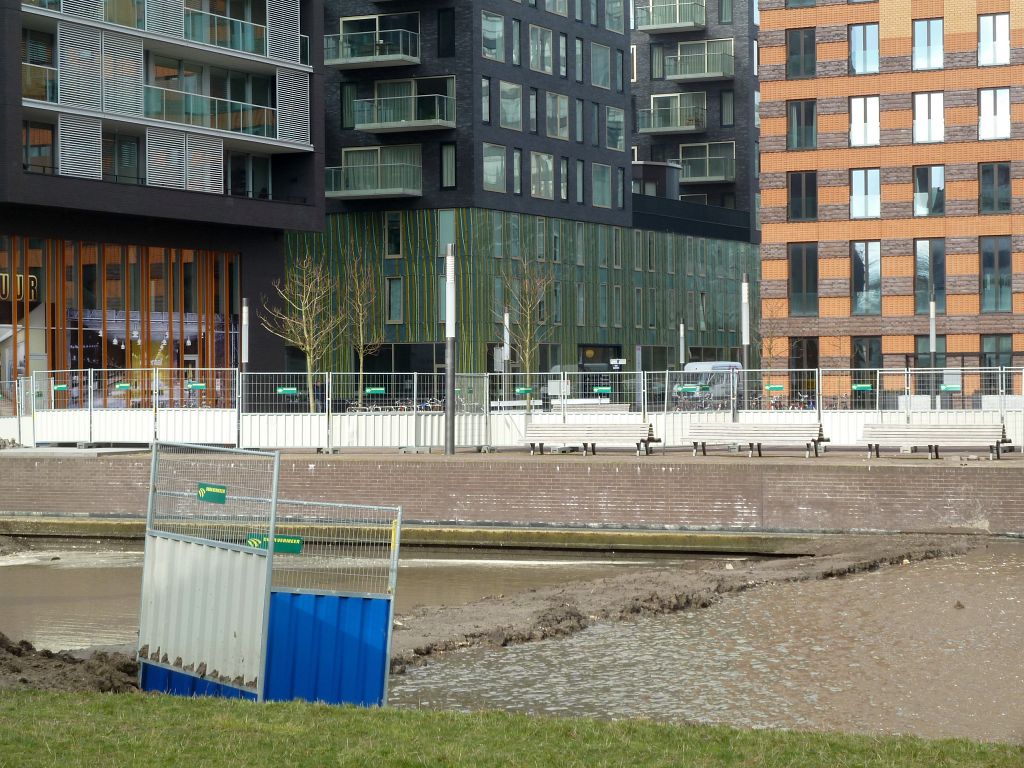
(427,633)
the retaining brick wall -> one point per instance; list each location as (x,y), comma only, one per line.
(828,495)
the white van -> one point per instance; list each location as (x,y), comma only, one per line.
(713,377)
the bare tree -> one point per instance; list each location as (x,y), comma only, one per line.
(304,313)
(527,285)
(773,342)
(359,302)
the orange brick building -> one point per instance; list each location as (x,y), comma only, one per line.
(892,171)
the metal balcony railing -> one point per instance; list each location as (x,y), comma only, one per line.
(380,48)
(409,113)
(39,82)
(127,13)
(376,180)
(672,119)
(210,112)
(698,169)
(670,16)
(694,66)
(225,32)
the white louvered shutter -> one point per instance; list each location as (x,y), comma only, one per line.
(283,29)
(122,73)
(166,17)
(205,164)
(80,83)
(80,146)
(165,158)
(86,9)
(293,106)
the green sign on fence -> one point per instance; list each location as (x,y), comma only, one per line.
(195,385)
(57,388)
(212,494)
(949,387)
(862,387)
(774,388)
(375,391)
(122,385)
(287,390)
(691,388)
(524,390)
(602,390)
(285,545)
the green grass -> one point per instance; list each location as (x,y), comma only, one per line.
(45,729)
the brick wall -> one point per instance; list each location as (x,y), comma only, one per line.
(833,494)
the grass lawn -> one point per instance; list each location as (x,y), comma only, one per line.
(38,729)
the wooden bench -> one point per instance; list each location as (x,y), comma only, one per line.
(991,436)
(608,435)
(755,435)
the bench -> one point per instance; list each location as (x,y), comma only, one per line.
(590,406)
(991,436)
(755,435)
(609,435)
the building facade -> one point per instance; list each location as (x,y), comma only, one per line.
(694,96)
(153,155)
(503,128)
(892,176)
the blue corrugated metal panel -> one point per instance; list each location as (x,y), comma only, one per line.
(165,680)
(327,648)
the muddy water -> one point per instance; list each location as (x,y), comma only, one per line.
(888,651)
(67,595)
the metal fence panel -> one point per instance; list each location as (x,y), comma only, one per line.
(197,387)
(285,393)
(368,392)
(605,392)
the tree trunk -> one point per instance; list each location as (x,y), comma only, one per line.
(309,385)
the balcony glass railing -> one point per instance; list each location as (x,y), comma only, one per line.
(39,82)
(690,118)
(377,178)
(209,112)
(681,14)
(225,32)
(713,168)
(712,64)
(432,108)
(127,13)
(382,44)
(50,5)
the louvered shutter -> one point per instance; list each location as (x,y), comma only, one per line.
(283,29)
(166,17)
(80,83)
(293,106)
(165,158)
(205,164)
(80,146)
(122,73)
(86,9)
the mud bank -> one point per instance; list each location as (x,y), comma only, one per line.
(560,611)
(22,666)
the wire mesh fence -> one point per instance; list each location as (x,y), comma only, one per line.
(217,494)
(197,387)
(126,388)
(366,392)
(8,398)
(285,392)
(522,392)
(337,548)
(691,390)
(62,390)
(611,392)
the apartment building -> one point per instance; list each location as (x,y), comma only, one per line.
(891,178)
(694,96)
(154,153)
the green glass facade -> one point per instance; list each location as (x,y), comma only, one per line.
(615,289)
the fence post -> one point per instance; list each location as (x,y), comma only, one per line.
(733,380)
(643,394)
(664,406)
(415,411)
(563,396)
(817,391)
(91,390)
(156,397)
(328,411)
(906,394)
(878,392)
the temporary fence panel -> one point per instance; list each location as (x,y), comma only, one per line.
(198,406)
(9,411)
(60,406)
(334,576)
(122,406)
(206,579)
(26,421)
(690,391)
(605,392)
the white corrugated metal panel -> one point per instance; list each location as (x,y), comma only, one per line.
(165,158)
(166,17)
(80,146)
(283,29)
(207,426)
(79,81)
(293,105)
(62,426)
(284,430)
(202,605)
(87,9)
(122,73)
(122,425)
(9,428)
(204,164)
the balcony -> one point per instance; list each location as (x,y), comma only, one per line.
(225,32)
(49,5)
(363,50)
(706,170)
(39,82)
(377,180)
(209,112)
(700,66)
(430,112)
(690,119)
(655,17)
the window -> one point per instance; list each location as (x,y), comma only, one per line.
(994,113)
(867,354)
(563,55)
(600,66)
(657,60)
(445,230)
(615,125)
(997,352)
(614,15)
(593,12)
(511,107)
(929,123)
(577,61)
(601,185)
(865,193)
(864,125)
(579,181)
(993,39)
(348,106)
(542,175)
(517,171)
(394,300)
(516,41)
(620,188)
(493,35)
(801,128)
(513,235)
(602,304)
(863,49)
(725,11)
(494,167)
(638,307)
(617,248)
(800,3)
(581,243)
(866,286)
(922,350)
(533,110)
(652,307)
(929,190)
(557,115)
(563,179)
(620,71)
(595,123)
(445,32)
(803,195)
(485,99)
(556,241)
(728,108)
(800,53)
(579,121)
(559,7)
(497,236)
(541,56)
(393,234)
(929,275)
(803,279)
(556,302)
(927,44)
(581,304)
(541,237)
(994,190)
(996,275)
(617,306)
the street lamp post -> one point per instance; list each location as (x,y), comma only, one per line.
(449,352)
(931,345)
